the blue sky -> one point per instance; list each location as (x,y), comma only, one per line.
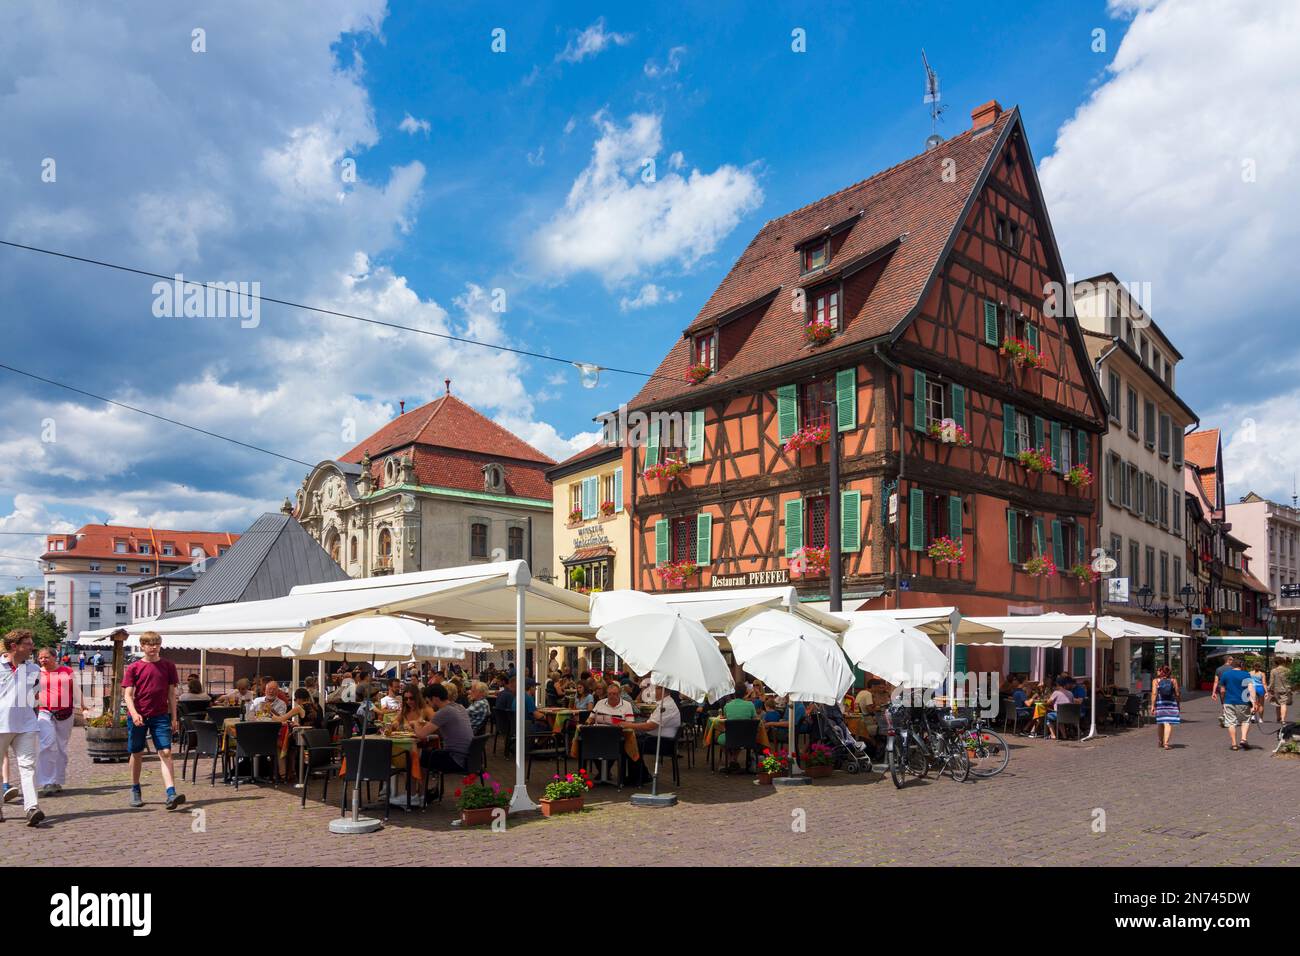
(521,171)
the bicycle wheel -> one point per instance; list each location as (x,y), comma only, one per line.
(958,764)
(918,762)
(992,754)
(897,772)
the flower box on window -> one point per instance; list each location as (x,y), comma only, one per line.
(575,516)
(946,551)
(817,332)
(698,373)
(949,432)
(1021,352)
(1084,573)
(1040,567)
(606,508)
(675,573)
(665,472)
(1037,460)
(1080,476)
(808,437)
(810,562)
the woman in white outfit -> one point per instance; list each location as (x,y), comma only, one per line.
(59,699)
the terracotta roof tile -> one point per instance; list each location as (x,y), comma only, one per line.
(911,200)
(1202,448)
(463,470)
(99,541)
(446,422)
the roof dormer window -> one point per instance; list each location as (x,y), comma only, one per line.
(494,478)
(706,351)
(816,256)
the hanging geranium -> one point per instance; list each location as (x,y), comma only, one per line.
(607,508)
(949,432)
(698,373)
(817,332)
(1080,476)
(946,551)
(809,561)
(1040,567)
(575,516)
(808,437)
(675,573)
(1037,460)
(664,470)
(1084,573)
(1021,352)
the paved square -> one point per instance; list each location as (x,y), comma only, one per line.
(1040,811)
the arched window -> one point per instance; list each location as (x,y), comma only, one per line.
(352,550)
(385,546)
(478,540)
(515,544)
(333,547)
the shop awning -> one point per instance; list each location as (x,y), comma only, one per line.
(589,554)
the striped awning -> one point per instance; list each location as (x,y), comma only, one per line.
(1246,643)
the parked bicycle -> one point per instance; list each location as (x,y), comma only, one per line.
(988,750)
(924,739)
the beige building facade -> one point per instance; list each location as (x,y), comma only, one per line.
(591,523)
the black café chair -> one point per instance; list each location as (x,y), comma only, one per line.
(686,734)
(207,743)
(545,745)
(1069,715)
(320,758)
(219,715)
(1133,709)
(667,752)
(475,763)
(741,735)
(601,742)
(257,738)
(377,765)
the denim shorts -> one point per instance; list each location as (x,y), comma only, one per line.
(159,727)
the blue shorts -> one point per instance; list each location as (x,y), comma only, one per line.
(159,727)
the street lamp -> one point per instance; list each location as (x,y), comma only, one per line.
(1146,601)
(1266,615)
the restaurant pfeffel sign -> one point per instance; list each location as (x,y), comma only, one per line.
(752,579)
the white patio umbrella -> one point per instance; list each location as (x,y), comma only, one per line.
(794,657)
(388,638)
(677,652)
(902,655)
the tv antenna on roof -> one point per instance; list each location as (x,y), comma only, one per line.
(932,97)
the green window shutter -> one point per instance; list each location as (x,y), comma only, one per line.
(918,400)
(793,526)
(1055,451)
(959,405)
(787,410)
(695,443)
(846,399)
(618,488)
(1038,432)
(1081,441)
(1031,336)
(1040,540)
(1080,662)
(916,519)
(1058,551)
(850,520)
(990,322)
(652,446)
(954,517)
(1008,430)
(589,492)
(959,659)
(1019,660)
(661,541)
(1013,542)
(703,538)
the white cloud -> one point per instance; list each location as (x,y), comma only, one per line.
(671,65)
(571,125)
(591,42)
(412,125)
(536,157)
(650,295)
(623,216)
(1180,171)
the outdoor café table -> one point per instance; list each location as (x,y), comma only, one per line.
(717,725)
(558,716)
(629,746)
(228,738)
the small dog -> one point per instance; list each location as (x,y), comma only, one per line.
(1286,733)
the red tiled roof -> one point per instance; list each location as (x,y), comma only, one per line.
(597,449)
(1201,449)
(463,470)
(913,200)
(99,540)
(447,422)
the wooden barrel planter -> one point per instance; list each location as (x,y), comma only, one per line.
(106,744)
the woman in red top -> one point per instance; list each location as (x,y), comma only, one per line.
(59,697)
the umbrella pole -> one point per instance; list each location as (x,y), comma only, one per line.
(519,799)
(796,776)
(654,798)
(1092,730)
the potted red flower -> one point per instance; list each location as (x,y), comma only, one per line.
(772,764)
(1040,567)
(1080,476)
(606,508)
(808,437)
(949,432)
(816,332)
(478,799)
(946,551)
(1037,460)
(698,373)
(675,573)
(810,562)
(1021,352)
(1084,573)
(564,794)
(818,761)
(664,473)
(575,516)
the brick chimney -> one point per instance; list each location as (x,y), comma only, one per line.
(985,115)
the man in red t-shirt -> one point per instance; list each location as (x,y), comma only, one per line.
(58,699)
(150,688)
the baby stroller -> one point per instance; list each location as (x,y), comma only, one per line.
(1287,733)
(846,750)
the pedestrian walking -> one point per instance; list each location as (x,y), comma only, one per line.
(1258,679)
(1166,698)
(81,660)
(57,702)
(150,688)
(19,735)
(1279,689)
(1238,698)
(98,662)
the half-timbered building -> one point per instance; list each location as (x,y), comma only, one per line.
(914,312)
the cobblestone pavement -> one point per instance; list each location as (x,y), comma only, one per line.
(1042,810)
